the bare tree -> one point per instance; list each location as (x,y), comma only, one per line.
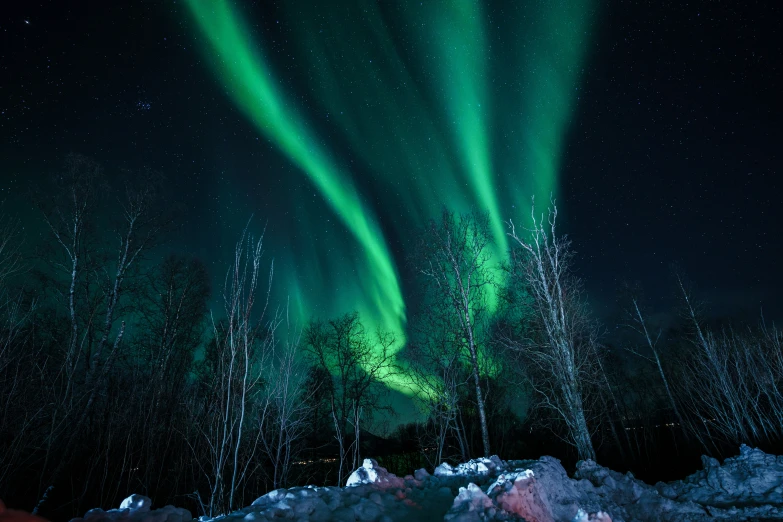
(243,342)
(21,406)
(438,370)
(562,351)
(13,304)
(454,259)
(439,398)
(638,323)
(284,409)
(173,304)
(357,365)
(10,245)
(94,345)
(68,217)
(732,380)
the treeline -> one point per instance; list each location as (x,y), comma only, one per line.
(116,377)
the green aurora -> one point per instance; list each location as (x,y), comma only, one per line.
(437,103)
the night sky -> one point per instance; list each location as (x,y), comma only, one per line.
(343,126)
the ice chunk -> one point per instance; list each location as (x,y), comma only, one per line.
(371,473)
(367,474)
(482,466)
(444,470)
(582,516)
(470,500)
(270,498)
(752,477)
(136,503)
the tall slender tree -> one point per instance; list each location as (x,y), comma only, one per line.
(453,258)
(562,351)
(94,293)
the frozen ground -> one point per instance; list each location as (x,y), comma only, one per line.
(746,487)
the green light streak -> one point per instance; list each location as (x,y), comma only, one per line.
(379,107)
(462,50)
(551,48)
(250,83)
(456,103)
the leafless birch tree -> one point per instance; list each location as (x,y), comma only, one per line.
(173,306)
(95,341)
(21,404)
(454,259)
(439,372)
(357,364)
(562,351)
(284,409)
(732,380)
(10,245)
(243,343)
(637,322)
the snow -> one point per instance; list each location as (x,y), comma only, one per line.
(752,478)
(582,516)
(473,467)
(471,504)
(372,473)
(746,487)
(421,474)
(136,503)
(137,508)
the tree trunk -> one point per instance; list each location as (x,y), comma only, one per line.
(480,400)
(584,444)
(476,378)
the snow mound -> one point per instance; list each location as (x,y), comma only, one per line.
(371,473)
(541,491)
(482,466)
(421,474)
(751,478)
(746,487)
(385,500)
(471,504)
(137,508)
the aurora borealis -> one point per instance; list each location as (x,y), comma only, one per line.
(345,133)
(343,126)
(414,92)
(252,87)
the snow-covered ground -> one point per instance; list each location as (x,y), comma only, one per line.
(746,487)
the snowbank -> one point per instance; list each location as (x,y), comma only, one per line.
(751,478)
(746,487)
(136,508)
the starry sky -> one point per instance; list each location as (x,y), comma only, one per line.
(344,125)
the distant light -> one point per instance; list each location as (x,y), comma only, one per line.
(27,22)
